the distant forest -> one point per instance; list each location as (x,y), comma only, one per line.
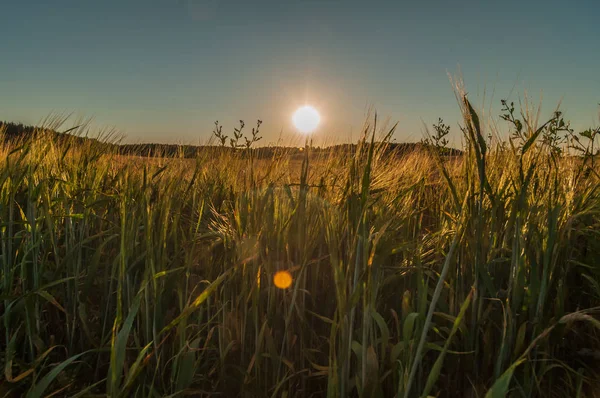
(10,131)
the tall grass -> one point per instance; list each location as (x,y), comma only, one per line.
(414,274)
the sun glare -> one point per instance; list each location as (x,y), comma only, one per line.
(306,119)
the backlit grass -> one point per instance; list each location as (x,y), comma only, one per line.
(412,274)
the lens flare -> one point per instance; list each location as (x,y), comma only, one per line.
(282,279)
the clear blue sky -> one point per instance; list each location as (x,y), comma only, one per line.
(164,70)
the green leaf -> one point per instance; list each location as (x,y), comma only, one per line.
(38,390)
(187,366)
(119,345)
(396,351)
(408,327)
(137,367)
(437,366)
(49,298)
(383,328)
(196,303)
(500,387)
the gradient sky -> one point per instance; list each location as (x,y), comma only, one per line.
(164,70)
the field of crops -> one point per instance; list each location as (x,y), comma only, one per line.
(369,274)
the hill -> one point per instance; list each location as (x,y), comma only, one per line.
(18,131)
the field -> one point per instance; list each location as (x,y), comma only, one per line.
(412,274)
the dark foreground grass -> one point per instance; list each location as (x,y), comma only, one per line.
(413,275)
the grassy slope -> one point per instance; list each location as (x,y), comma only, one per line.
(443,276)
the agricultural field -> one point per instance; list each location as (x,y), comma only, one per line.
(366,273)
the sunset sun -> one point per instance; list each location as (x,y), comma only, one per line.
(306,119)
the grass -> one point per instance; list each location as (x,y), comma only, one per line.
(413,275)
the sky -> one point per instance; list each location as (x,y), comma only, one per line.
(165,70)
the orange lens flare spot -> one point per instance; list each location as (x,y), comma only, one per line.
(282,279)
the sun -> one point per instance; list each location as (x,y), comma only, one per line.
(306,119)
